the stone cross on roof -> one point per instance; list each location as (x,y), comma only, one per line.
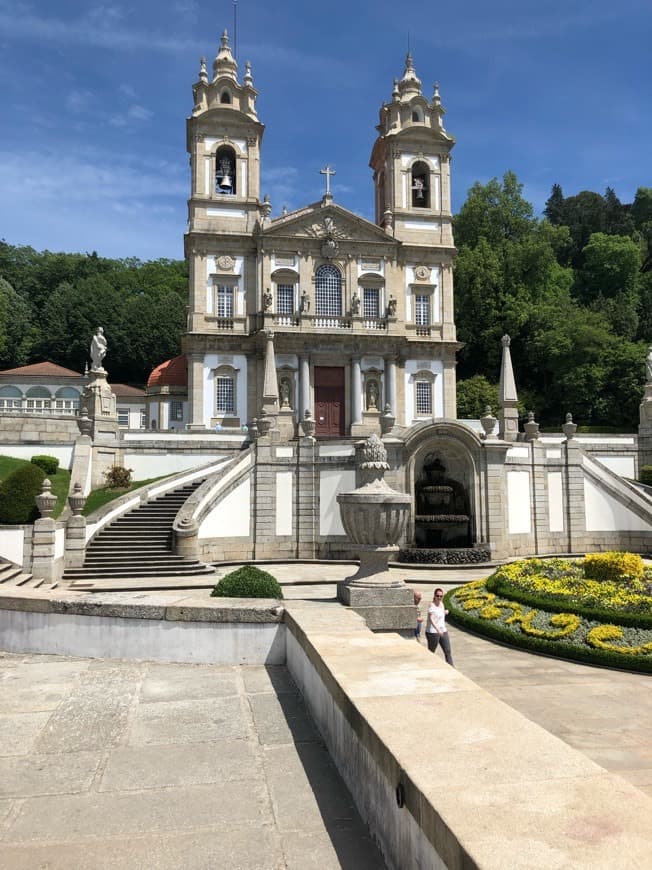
(327,171)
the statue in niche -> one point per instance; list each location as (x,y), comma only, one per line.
(284,392)
(391,307)
(355,304)
(268,299)
(305,303)
(98,349)
(372,396)
(648,366)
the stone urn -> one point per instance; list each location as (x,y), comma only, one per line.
(373,516)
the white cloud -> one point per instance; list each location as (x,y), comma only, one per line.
(79,100)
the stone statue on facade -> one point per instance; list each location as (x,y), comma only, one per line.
(648,366)
(98,349)
(355,304)
(372,396)
(391,307)
(268,299)
(305,303)
(284,392)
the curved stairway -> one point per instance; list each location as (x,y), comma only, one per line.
(138,545)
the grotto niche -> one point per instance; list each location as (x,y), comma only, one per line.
(442,517)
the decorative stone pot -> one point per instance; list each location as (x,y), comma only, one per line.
(45,501)
(77,500)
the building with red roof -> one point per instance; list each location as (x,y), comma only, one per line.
(167,394)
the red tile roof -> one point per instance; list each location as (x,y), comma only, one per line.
(171,373)
(42,370)
(125,390)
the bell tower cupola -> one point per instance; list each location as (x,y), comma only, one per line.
(411,164)
(224,138)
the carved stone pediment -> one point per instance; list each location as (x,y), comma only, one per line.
(330,224)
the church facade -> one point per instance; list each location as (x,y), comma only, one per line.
(360,314)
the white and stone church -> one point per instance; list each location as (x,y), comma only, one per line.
(313,330)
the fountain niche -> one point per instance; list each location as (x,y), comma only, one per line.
(442,508)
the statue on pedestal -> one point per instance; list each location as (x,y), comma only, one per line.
(648,366)
(98,350)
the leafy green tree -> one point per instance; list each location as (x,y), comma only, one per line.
(473,396)
(641,209)
(18,334)
(495,212)
(555,205)
(608,280)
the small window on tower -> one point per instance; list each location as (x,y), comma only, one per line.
(420,186)
(225,97)
(225,179)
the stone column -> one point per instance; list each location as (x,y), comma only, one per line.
(356,391)
(196,391)
(507,396)
(304,386)
(390,384)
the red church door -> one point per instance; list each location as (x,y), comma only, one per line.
(329,401)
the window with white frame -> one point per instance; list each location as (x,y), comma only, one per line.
(38,400)
(11,399)
(143,418)
(422,310)
(176,410)
(328,302)
(123,418)
(225,395)
(371,303)
(285,299)
(225,300)
(423,396)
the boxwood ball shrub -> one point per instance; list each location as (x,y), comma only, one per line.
(49,464)
(248,582)
(17,493)
(612,566)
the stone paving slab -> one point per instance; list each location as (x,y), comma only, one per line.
(193,766)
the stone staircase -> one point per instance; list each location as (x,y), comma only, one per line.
(138,545)
(13,575)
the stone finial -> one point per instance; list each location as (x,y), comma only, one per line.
(488,423)
(507,395)
(203,74)
(266,207)
(395,93)
(569,428)
(387,420)
(373,454)
(45,501)
(531,428)
(225,63)
(84,422)
(308,424)
(436,99)
(248,78)
(77,500)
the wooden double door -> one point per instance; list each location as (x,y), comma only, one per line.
(329,401)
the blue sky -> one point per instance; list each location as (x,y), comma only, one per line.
(94,98)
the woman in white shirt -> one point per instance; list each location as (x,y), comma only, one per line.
(436,631)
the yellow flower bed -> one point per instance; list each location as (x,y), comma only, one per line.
(600,636)
(613,566)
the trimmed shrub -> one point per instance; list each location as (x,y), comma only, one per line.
(645,475)
(248,582)
(17,493)
(118,477)
(612,566)
(49,464)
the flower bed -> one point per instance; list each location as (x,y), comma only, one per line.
(551,607)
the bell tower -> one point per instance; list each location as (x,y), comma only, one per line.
(411,164)
(223,139)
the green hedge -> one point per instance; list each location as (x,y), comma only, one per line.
(557,604)
(49,464)
(17,493)
(556,648)
(248,582)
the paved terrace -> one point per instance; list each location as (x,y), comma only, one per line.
(152,765)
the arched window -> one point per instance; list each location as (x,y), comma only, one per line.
(38,399)
(66,400)
(225,97)
(417,115)
(328,301)
(225,175)
(420,185)
(11,399)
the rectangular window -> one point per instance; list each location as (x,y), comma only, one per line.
(371,303)
(422,310)
(225,396)
(424,399)
(123,418)
(285,299)
(224,300)
(176,410)
(143,418)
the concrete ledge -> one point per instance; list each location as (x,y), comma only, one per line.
(496,791)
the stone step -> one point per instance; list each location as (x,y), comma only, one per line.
(178,571)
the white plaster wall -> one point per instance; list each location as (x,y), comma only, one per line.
(12,542)
(518,453)
(606,514)
(134,416)
(332,481)
(230,517)
(625,466)
(518,502)
(143,639)
(412,366)
(411,289)
(211,362)
(147,466)
(337,450)
(555,501)
(59,542)
(284,482)
(284,452)
(62,452)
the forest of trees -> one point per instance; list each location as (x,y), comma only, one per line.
(573,290)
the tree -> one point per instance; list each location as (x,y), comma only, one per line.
(555,205)
(18,334)
(495,212)
(641,209)
(608,280)
(474,395)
